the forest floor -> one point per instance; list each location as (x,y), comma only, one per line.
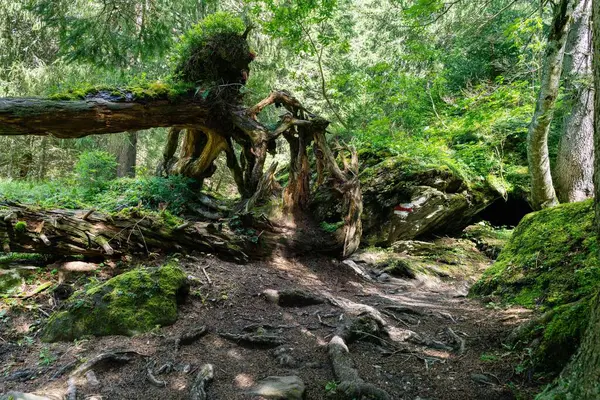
(231,301)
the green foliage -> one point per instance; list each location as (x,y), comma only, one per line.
(212,51)
(176,194)
(46,357)
(331,227)
(95,170)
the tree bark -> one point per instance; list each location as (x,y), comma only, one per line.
(542,189)
(96,115)
(575,159)
(581,378)
(127,156)
(66,232)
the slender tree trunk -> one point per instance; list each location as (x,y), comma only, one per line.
(581,378)
(43,158)
(127,156)
(575,159)
(542,189)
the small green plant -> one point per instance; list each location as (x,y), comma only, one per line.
(331,387)
(46,357)
(331,227)
(95,170)
(488,357)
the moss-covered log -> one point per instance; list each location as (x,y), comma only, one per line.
(28,230)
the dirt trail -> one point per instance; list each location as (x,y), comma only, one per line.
(231,302)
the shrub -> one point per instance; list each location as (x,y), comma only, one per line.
(95,170)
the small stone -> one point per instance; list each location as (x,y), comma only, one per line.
(280,387)
(384,277)
(91,378)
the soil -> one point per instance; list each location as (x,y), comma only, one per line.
(232,301)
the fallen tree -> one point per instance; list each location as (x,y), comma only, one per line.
(205,122)
(65,232)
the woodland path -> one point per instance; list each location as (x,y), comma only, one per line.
(231,302)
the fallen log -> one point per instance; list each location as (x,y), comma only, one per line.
(98,114)
(101,235)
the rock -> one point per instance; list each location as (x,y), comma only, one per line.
(280,387)
(404,199)
(413,247)
(24,396)
(10,280)
(384,277)
(131,303)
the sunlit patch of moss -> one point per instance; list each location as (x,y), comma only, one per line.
(550,264)
(139,89)
(131,303)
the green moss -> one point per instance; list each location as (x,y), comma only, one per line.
(214,50)
(550,263)
(138,89)
(20,227)
(550,260)
(134,302)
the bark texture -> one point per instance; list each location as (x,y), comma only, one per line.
(542,188)
(98,114)
(575,159)
(581,378)
(208,130)
(63,232)
(127,156)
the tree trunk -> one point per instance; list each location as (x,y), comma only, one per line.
(581,378)
(575,160)
(127,156)
(542,189)
(96,115)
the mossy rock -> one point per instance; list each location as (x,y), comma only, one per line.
(10,281)
(128,304)
(550,263)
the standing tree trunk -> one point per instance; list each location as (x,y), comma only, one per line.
(127,156)
(575,159)
(542,189)
(581,378)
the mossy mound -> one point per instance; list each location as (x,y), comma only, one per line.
(131,303)
(489,239)
(214,51)
(551,264)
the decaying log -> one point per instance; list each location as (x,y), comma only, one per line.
(105,235)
